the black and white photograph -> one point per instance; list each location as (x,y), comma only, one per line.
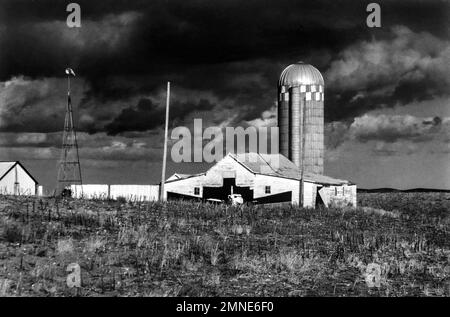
(230,150)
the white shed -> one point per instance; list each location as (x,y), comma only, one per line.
(261,179)
(16,180)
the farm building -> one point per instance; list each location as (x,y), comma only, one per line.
(277,178)
(261,179)
(16,180)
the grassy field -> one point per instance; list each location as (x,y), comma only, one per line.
(392,245)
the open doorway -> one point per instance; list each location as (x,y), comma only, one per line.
(319,201)
(229,187)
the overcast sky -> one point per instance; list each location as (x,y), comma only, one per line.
(387,90)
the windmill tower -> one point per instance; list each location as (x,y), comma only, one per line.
(69,169)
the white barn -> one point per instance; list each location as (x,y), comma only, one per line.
(16,180)
(261,179)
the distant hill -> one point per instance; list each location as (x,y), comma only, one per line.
(412,190)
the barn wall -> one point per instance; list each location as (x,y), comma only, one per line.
(135,192)
(27,186)
(185,186)
(90,191)
(281,185)
(277,185)
(228,167)
(309,194)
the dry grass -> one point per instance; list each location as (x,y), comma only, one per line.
(393,245)
(4,287)
(64,246)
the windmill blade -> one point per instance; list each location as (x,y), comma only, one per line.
(69,71)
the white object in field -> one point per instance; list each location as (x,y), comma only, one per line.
(236,199)
(40,191)
(214,200)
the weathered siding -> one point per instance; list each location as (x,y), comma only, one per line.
(341,195)
(277,185)
(228,167)
(309,194)
(185,186)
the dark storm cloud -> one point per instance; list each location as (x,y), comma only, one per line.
(37,105)
(173,34)
(147,115)
(403,68)
(235,49)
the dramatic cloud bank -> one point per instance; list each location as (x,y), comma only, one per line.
(406,67)
(395,128)
(223,59)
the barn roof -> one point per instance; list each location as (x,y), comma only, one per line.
(280,166)
(6,166)
(179,176)
(272,165)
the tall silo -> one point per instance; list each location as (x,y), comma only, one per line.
(301,85)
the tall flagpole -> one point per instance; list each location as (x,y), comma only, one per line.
(166,132)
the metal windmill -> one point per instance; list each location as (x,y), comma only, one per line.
(69,171)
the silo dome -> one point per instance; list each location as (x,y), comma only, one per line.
(301,116)
(300,74)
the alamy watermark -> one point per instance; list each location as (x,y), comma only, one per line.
(373,19)
(221,141)
(74,277)
(74,17)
